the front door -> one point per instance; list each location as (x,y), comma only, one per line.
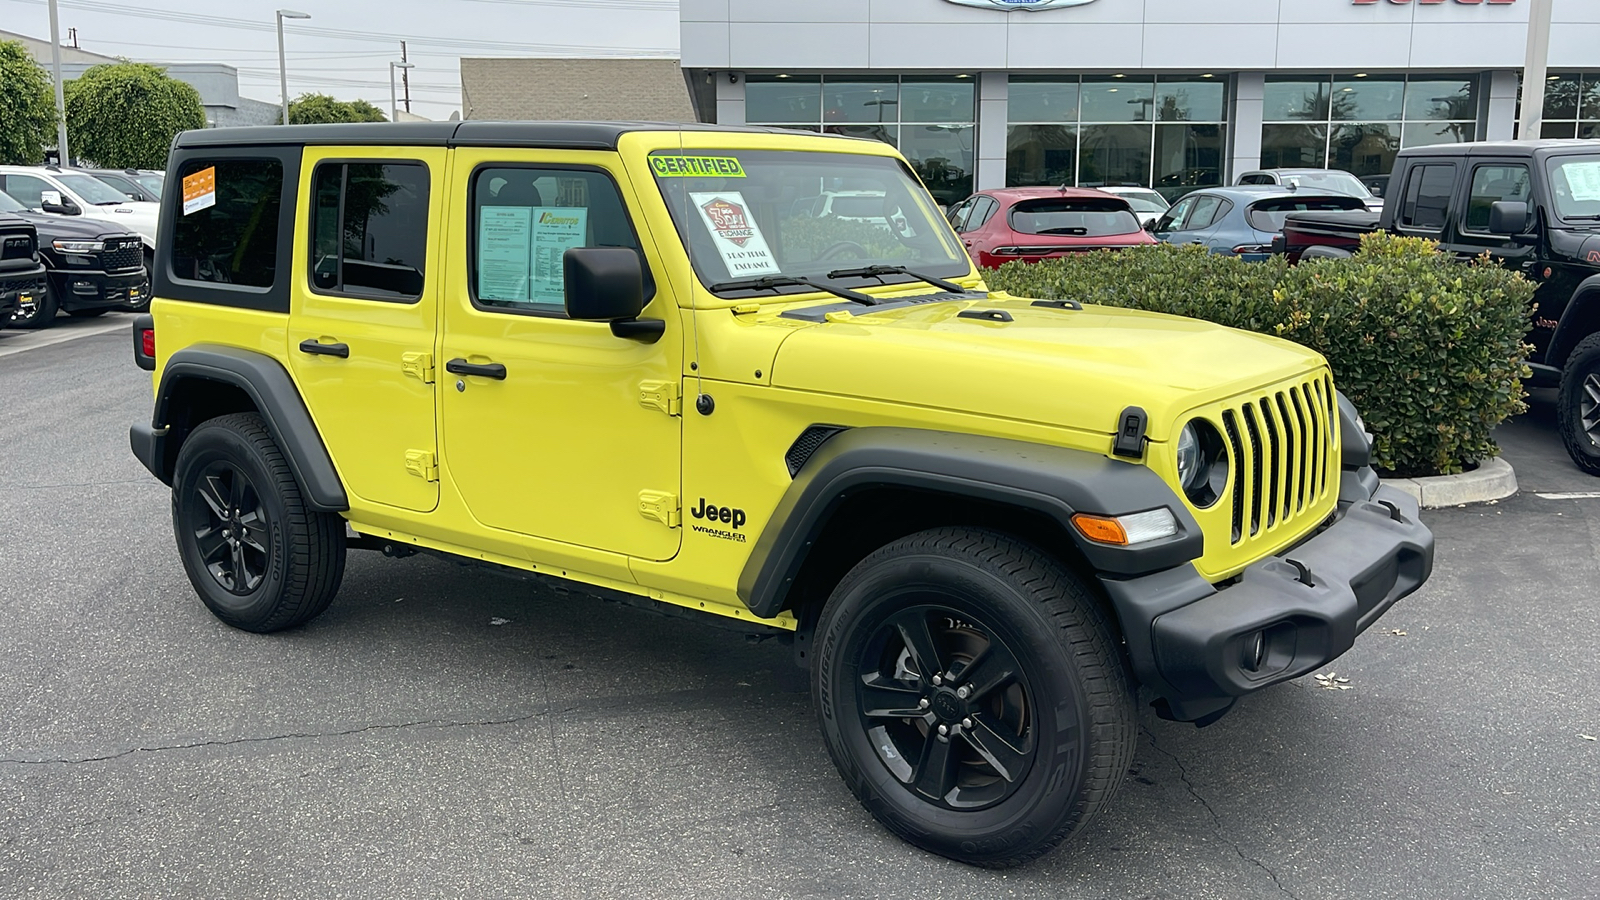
(568,433)
(364,315)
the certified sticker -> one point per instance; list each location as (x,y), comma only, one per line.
(199,190)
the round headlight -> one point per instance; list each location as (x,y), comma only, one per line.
(1189,469)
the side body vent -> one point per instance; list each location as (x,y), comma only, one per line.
(807,444)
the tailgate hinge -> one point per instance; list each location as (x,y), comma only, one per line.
(423,464)
(660,506)
(418,365)
(661,395)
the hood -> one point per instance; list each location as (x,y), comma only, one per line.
(72,228)
(1062,367)
(131,216)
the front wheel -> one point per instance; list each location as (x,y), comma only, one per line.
(1578,405)
(257,556)
(971,696)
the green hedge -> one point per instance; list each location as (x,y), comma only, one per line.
(1430,350)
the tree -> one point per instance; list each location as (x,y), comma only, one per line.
(27,111)
(126,114)
(310,109)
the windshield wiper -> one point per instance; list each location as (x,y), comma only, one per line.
(773,282)
(879,271)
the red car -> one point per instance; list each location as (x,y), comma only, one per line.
(1034,223)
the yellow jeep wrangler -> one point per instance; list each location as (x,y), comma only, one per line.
(646,359)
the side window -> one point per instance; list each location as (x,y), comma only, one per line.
(233,238)
(369,229)
(1173,219)
(982,212)
(524,220)
(1255,179)
(1205,212)
(1426,203)
(27,190)
(1492,184)
(958,215)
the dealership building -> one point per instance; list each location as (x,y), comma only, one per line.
(1171,94)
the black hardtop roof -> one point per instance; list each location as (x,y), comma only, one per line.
(1549,147)
(472,133)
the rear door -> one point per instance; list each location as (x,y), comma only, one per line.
(364,314)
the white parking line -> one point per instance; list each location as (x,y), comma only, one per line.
(19,342)
(1570,495)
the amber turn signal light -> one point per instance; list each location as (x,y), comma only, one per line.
(1100,529)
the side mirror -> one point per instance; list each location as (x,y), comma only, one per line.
(59,205)
(606,284)
(1150,226)
(1508,217)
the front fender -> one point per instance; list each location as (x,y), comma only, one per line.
(1054,481)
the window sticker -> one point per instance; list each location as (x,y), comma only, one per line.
(737,237)
(696,167)
(504,241)
(556,230)
(1584,180)
(200,190)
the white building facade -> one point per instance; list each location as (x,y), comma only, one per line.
(1171,94)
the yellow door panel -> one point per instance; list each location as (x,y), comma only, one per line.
(363,319)
(553,428)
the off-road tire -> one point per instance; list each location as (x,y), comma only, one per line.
(293,559)
(44,310)
(1580,385)
(1072,682)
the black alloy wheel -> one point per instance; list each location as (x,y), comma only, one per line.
(1578,405)
(971,695)
(945,704)
(231,528)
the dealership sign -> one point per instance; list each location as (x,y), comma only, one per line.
(1022,4)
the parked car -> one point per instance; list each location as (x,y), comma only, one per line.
(1323,181)
(980,520)
(21,273)
(1241,221)
(1532,205)
(1034,223)
(127,181)
(1147,204)
(63,192)
(91,265)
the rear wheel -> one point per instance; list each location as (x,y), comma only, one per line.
(971,696)
(39,312)
(258,557)
(1578,405)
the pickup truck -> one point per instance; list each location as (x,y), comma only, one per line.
(21,273)
(1532,205)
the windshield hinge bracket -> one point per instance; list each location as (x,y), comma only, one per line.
(1130,433)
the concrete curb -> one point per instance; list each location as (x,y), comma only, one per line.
(1493,479)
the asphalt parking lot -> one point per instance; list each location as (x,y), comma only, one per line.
(407,745)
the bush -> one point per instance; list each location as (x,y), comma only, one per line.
(313,109)
(1430,350)
(27,109)
(125,114)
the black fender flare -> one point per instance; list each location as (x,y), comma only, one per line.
(268,385)
(1568,329)
(1054,481)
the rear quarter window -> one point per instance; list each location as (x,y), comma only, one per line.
(234,240)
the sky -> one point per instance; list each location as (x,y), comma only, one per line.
(345,47)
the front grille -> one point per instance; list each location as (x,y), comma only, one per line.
(16,246)
(14,285)
(123,255)
(1282,448)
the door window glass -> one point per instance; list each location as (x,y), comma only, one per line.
(27,190)
(1173,220)
(981,213)
(234,240)
(524,220)
(1493,184)
(370,229)
(1427,198)
(1205,210)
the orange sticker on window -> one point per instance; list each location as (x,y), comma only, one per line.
(200,190)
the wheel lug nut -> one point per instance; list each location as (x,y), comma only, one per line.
(966,723)
(937,680)
(923,703)
(944,729)
(962,693)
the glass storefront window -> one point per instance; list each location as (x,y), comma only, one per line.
(1561,96)
(889,134)
(1294,146)
(1295,99)
(1041,154)
(1188,156)
(1452,100)
(769,98)
(1357,99)
(1115,154)
(943,158)
(1367,148)
(1426,134)
(937,101)
(1190,100)
(1117,100)
(858,101)
(1042,99)
(1572,105)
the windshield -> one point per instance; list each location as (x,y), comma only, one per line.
(1331,180)
(9,203)
(126,185)
(1269,215)
(1072,216)
(766,213)
(92,189)
(1144,201)
(1575,186)
(152,181)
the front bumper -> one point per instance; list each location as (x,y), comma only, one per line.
(20,287)
(93,288)
(1201,646)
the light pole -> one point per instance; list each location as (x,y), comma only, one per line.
(394,107)
(283,67)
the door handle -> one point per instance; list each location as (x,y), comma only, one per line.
(460,366)
(315,348)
